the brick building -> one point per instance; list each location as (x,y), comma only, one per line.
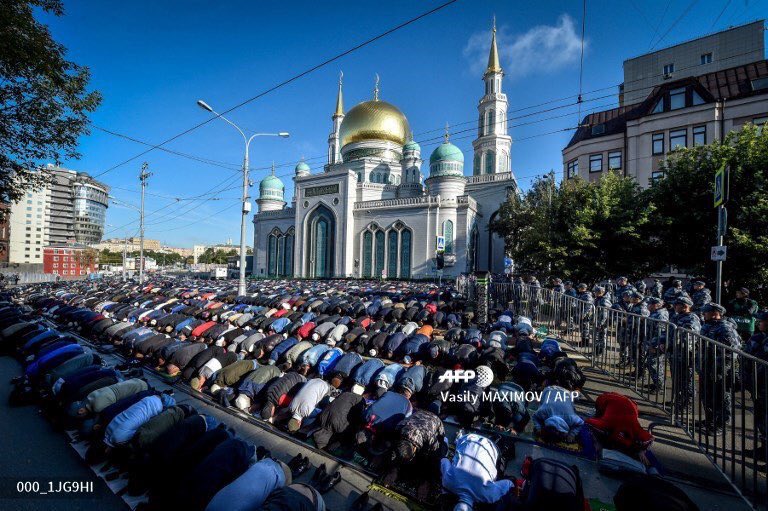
(69,260)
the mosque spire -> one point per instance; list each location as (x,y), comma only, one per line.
(273,167)
(376,88)
(493,56)
(340,97)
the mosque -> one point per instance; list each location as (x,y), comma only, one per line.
(371,213)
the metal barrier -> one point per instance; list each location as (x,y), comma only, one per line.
(717,394)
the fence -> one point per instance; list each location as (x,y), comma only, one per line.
(28,277)
(717,394)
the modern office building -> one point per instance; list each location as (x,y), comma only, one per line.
(686,95)
(78,207)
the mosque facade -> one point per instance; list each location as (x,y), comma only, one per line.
(372,213)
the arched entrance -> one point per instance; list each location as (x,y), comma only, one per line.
(321,226)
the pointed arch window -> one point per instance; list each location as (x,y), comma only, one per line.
(380,251)
(491,121)
(392,254)
(448,235)
(367,254)
(272,255)
(281,256)
(288,257)
(476,167)
(405,254)
(480,123)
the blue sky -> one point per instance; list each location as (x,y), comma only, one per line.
(153,60)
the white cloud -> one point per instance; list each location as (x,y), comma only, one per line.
(543,48)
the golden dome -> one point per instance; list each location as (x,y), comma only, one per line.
(374,120)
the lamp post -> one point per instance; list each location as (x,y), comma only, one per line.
(246,205)
(144,175)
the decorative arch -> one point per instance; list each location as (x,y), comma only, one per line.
(321,237)
(273,252)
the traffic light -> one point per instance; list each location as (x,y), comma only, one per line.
(440,259)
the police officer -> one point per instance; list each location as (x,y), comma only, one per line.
(657,290)
(622,286)
(674,292)
(568,304)
(700,295)
(636,326)
(602,311)
(585,312)
(641,287)
(755,378)
(534,297)
(716,365)
(656,339)
(557,285)
(742,310)
(680,345)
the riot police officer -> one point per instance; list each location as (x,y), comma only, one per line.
(716,366)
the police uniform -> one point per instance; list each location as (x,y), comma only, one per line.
(586,309)
(680,355)
(715,367)
(655,342)
(755,376)
(602,310)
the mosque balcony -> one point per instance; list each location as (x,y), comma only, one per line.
(425,200)
(491,178)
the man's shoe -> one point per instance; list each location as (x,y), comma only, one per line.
(320,474)
(329,483)
(360,503)
(262,452)
(301,467)
(295,461)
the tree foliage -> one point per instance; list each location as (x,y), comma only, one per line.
(686,220)
(213,256)
(592,231)
(575,228)
(43,98)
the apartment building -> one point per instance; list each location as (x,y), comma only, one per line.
(677,110)
(28,228)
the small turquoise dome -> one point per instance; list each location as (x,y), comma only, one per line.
(446,160)
(271,188)
(302,167)
(411,146)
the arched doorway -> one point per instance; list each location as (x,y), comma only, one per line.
(321,226)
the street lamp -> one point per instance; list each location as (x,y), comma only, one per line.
(125,239)
(246,205)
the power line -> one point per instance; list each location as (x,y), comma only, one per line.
(727,3)
(674,23)
(286,82)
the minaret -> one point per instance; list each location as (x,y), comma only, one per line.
(492,145)
(334,151)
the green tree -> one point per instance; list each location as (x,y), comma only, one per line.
(685,222)
(43,98)
(586,231)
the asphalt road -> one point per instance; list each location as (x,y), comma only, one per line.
(33,451)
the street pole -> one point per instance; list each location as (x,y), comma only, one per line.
(143,178)
(125,253)
(243,220)
(719,263)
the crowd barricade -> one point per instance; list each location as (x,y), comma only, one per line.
(717,394)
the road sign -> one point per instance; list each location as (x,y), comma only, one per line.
(722,222)
(507,262)
(720,186)
(441,243)
(507,270)
(719,252)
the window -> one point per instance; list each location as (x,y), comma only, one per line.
(490,162)
(595,162)
(572,169)
(677,98)
(656,176)
(392,254)
(760,122)
(678,138)
(598,129)
(658,143)
(368,254)
(476,165)
(706,58)
(614,160)
(669,69)
(699,135)
(696,99)
(760,83)
(379,253)
(405,254)
(448,235)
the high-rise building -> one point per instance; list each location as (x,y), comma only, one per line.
(72,209)
(78,207)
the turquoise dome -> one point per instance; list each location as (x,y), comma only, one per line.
(302,167)
(271,188)
(446,160)
(411,146)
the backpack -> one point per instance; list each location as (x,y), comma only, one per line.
(551,484)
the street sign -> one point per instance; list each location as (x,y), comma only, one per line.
(441,243)
(507,271)
(507,262)
(719,252)
(720,186)
(722,222)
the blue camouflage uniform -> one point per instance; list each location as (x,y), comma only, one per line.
(655,342)
(715,367)
(602,304)
(680,355)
